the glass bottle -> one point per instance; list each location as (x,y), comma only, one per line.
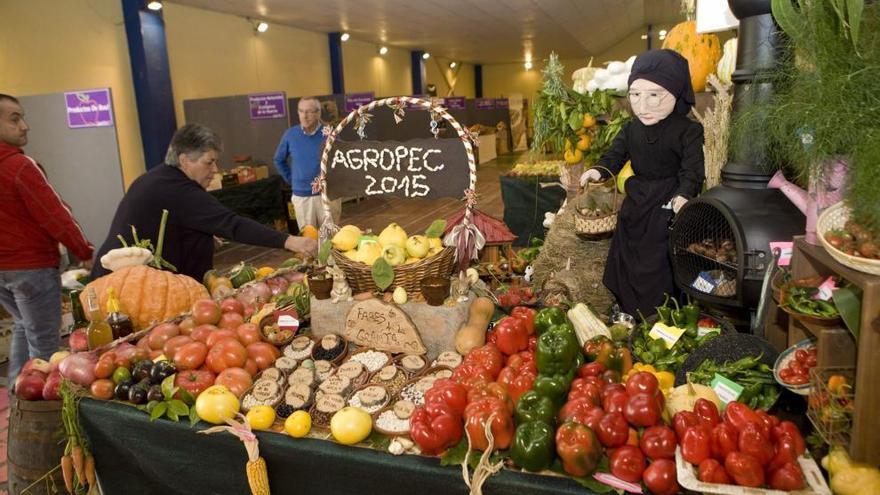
(119,322)
(98,332)
(76,310)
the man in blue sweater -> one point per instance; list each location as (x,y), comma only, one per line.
(298,160)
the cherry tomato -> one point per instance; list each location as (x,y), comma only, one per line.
(800,356)
(785,374)
(811,360)
(798,379)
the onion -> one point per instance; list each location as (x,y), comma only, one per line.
(262,291)
(79,368)
(294,277)
(278,285)
(254,293)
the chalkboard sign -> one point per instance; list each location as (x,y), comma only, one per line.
(418,168)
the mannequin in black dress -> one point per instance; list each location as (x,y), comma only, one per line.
(665,148)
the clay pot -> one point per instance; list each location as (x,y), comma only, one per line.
(435,290)
(321,287)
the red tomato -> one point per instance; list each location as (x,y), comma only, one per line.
(725,439)
(194,381)
(102,388)
(202,332)
(744,469)
(812,360)
(186,325)
(226,353)
(221,334)
(627,463)
(160,334)
(789,477)
(263,354)
(236,380)
(487,356)
(785,374)
(232,305)
(711,471)
(696,444)
(174,343)
(800,356)
(660,477)
(251,367)
(798,379)
(752,441)
(190,356)
(248,333)
(105,366)
(205,311)
(230,320)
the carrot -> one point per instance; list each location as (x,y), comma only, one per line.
(90,469)
(67,471)
(76,452)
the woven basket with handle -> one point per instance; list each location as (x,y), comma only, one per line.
(408,276)
(593,225)
(834,218)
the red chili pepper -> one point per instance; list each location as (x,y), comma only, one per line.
(615,402)
(613,430)
(660,477)
(739,414)
(643,410)
(711,471)
(578,448)
(450,393)
(753,442)
(627,463)
(696,444)
(707,412)
(435,427)
(658,442)
(789,477)
(476,414)
(682,421)
(725,439)
(591,369)
(789,429)
(527,315)
(744,469)
(582,388)
(582,411)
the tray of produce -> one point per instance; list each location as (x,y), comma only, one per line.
(792,367)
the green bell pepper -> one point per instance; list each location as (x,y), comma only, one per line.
(534,446)
(556,351)
(533,406)
(547,318)
(554,386)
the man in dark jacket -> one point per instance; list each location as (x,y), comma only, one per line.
(33,221)
(195,216)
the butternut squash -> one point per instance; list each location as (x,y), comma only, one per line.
(473,333)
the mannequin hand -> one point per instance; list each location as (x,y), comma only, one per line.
(591,175)
(677,203)
(302,245)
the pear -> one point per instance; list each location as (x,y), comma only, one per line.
(346,239)
(434,250)
(417,246)
(351,254)
(435,242)
(393,235)
(394,255)
(369,252)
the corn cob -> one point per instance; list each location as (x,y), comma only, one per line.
(258,477)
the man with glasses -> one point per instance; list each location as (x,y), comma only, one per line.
(298,160)
(665,148)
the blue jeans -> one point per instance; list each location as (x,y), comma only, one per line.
(33,298)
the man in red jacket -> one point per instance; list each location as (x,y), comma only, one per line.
(33,221)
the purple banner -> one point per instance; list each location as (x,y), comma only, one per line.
(502,103)
(485,103)
(89,108)
(455,103)
(268,105)
(355,100)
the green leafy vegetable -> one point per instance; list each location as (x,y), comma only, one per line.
(383,274)
(436,228)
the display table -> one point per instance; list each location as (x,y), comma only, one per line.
(263,200)
(525,203)
(134,455)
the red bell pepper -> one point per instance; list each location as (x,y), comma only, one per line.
(581,411)
(591,369)
(789,429)
(643,410)
(660,477)
(789,477)
(658,442)
(533,343)
(738,414)
(696,444)
(627,463)
(519,374)
(744,469)
(682,421)
(491,389)
(493,409)
(725,439)
(435,427)
(471,375)
(487,356)
(711,471)
(610,389)
(613,430)
(512,335)
(767,421)
(524,359)
(615,402)
(527,315)
(580,387)
(753,442)
(450,393)
(707,413)
(577,446)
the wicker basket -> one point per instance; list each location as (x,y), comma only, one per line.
(590,225)
(834,218)
(408,276)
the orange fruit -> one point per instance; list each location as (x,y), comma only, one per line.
(309,231)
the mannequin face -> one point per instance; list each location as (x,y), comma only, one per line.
(650,102)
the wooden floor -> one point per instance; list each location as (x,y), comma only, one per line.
(376,213)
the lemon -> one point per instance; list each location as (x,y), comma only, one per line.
(261,417)
(298,424)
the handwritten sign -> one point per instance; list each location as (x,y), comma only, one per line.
(419,168)
(377,324)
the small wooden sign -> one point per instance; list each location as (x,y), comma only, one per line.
(419,168)
(377,324)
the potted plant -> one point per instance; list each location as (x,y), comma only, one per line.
(320,281)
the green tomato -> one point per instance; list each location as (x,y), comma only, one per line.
(121,374)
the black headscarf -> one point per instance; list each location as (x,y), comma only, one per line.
(670,70)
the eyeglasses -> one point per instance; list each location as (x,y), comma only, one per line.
(307,111)
(652,99)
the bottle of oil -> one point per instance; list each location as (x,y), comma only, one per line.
(119,322)
(98,331)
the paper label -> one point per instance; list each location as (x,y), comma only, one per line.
(704,283)
(785,250)
(726,389)
(669,334)
(287,320)
(826,290)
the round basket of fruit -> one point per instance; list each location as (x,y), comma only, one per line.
(847,241)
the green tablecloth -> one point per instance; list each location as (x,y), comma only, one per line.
(263,200)
(525,203)
(136,456)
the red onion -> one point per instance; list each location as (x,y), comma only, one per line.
(278,285)
(79,368)
(258,292)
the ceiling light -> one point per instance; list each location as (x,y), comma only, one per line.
(644,36)
(662,37)
(383,50)
(345,37)
(528,64)
(662,33)
(155,6)
(426,55)
(262,27)
(452,65)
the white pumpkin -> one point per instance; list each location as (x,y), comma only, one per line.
(683,397)
(727,64)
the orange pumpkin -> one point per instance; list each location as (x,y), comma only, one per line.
(148,295)
(702,51)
